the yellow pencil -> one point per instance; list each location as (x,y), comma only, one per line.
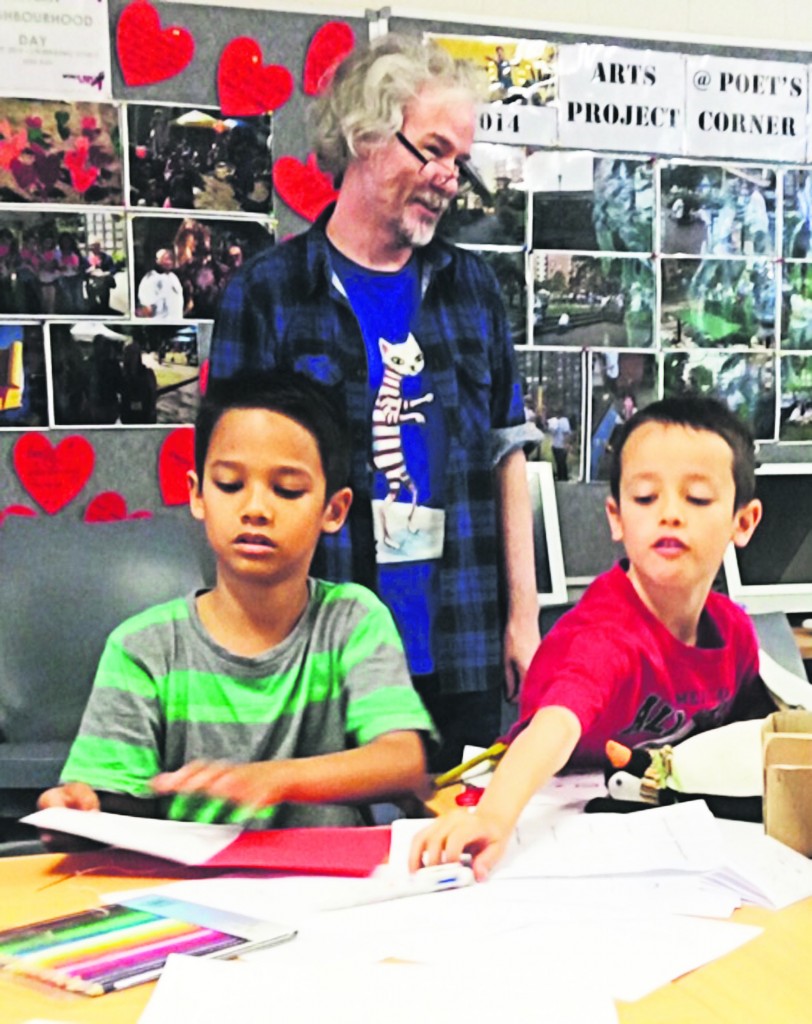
(493,753)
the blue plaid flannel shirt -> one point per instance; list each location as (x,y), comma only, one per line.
(285,309)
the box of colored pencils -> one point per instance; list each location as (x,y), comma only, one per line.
(114,947)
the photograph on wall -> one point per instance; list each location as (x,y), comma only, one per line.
(587,202)
(131,374)
(715,303)
(509,269)
(23,389)
(796,305)
(620,384)
(52,152)
(63,264)
(797,209)
(796,398)
(521,71)
(744,381)
(592,301)
(187,158)
(500,218)
(551,385)
(182,264)
(717,210)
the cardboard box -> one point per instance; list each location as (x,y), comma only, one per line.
(787,748)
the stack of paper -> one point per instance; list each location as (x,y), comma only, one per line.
(326,851)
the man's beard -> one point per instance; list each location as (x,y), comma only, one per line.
(417,232)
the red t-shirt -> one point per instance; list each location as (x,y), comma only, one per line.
(627,678)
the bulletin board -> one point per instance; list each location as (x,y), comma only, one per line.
(649,221)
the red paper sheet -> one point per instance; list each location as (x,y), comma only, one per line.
(314,851)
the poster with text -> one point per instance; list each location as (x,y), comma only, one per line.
(611,97)
(55,49)
(751,109)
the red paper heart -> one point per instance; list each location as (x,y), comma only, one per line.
(53,476)
(146,52)
(81,176)
(245,86)
(176,458)
(109,507)
(304,188)
(16,510)
(328,47)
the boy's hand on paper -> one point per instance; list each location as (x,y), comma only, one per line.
(78,796)
(457,833)
(250,785)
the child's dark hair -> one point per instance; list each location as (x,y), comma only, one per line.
(291,394)
(699,413)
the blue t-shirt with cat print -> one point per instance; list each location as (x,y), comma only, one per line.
(408,449)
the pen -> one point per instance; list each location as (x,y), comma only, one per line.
(493,753)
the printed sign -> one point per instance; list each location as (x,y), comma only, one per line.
(55,49)
(516,124)
(748,109)
(625,100)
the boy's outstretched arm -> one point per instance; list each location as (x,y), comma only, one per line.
(390,765)
(537,753)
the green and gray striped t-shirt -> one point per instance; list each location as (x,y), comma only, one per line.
(165,694)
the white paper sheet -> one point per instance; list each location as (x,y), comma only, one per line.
(519,923)
(794,691)
(761,869)
(183,841)
(209,993)
(682,837)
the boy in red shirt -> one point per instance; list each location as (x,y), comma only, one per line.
(649,654)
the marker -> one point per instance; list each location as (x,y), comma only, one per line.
(435,878)
(438,877)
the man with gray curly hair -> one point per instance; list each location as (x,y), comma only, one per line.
(412,335)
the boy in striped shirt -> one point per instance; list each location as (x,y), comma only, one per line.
(273,698)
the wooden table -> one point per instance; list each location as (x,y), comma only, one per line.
(767,981)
